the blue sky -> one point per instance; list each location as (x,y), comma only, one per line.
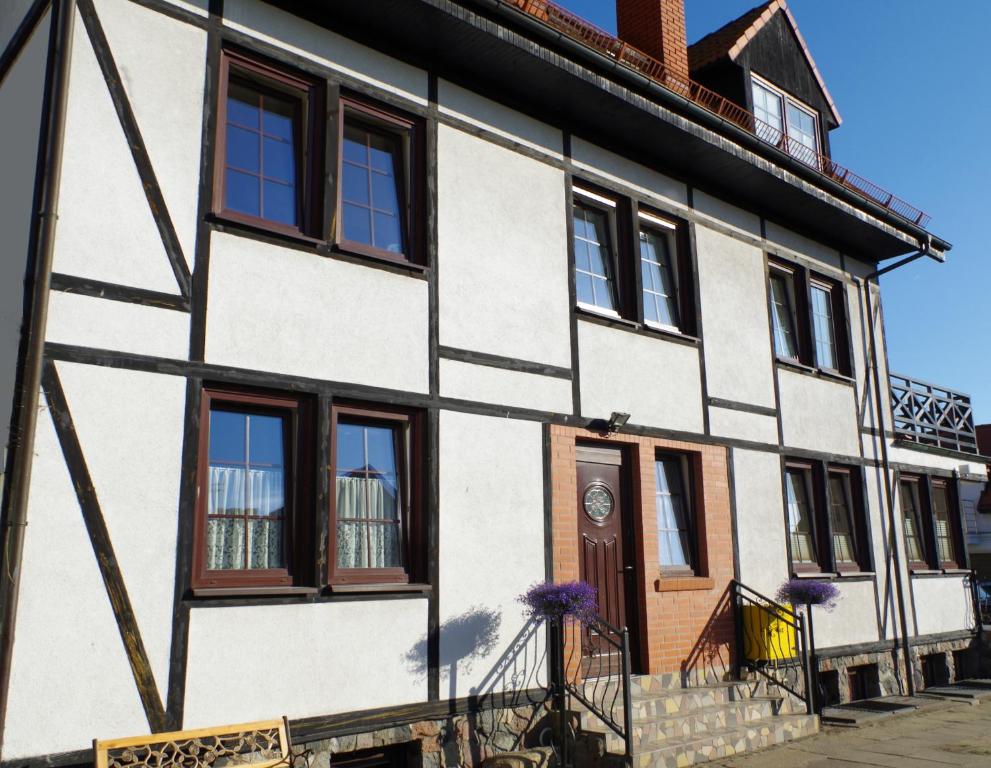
(912,80)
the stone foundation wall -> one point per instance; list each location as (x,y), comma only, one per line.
(460,740)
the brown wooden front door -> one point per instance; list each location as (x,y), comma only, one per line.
(603,519)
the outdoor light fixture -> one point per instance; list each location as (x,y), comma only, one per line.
(617,420)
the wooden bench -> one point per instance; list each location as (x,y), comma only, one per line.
(263,744)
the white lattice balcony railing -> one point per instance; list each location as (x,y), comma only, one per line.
(932,415)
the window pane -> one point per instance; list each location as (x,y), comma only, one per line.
(782,317)
(280,165)
(246,504)
(909,497)
(357,223)
(280,202)
(584,285)
(767,108)
(242,149)
(945,549)
(673,528)
(844,549)
(801,133)
(659,299)
(366,545)
(822,327)
(370,187)
(594,242)
(388,234)
(277,117)
(242,193)
(355,185)
(800,517)
(242,105)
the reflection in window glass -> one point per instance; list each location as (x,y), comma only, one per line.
(371,175)
(783,317)
(673,525)
(369,497)
(260,175)
(840,511)
(593,258)
(660,306)
(822,327)
(797,484)
(246,503)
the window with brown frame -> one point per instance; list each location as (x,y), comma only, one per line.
(677,526)
(269,145)
(631,262)
(808,318)
(380,179)
(374,506)
(824,510)
(253,486)
(930,522)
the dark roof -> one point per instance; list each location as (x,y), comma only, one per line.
(728,41)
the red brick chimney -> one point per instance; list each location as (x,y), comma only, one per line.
(656,27)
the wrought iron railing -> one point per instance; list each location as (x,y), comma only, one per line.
(772,643)
(599,40)
(592,666)
(932,415)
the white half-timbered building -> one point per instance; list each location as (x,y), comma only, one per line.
(328,328)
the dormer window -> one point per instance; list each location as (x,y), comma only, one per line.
(786,122)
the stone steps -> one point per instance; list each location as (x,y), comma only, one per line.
(685,726)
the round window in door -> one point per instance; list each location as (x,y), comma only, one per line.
(598,502)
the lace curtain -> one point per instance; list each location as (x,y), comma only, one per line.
(234,543)
(371,540)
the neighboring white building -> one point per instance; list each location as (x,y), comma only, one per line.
(312,320)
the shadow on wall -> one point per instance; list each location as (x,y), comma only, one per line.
(710,658)
(507,700)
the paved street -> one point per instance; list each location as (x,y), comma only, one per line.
(957,734)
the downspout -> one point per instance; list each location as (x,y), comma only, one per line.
(925,250)
(31,352)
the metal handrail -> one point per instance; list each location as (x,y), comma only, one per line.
(596,672)
(931,414)
(794,673)
(598,39)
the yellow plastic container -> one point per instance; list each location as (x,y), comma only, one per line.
(767,636)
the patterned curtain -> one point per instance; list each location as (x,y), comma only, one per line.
(242,494)
(368,524)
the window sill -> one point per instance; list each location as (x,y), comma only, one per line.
(373,254)
(254,591)
(808,370)
(669,333)
(683,583)
(345,589)
(941,573)
(620,323)
(612,317)
(259,226)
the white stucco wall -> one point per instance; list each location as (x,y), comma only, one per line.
(503,255)
(21,94)
(853,620)
(199,7)
(802,245)
(134,455)
(761,520)
(168,110)
(904,455)
(726,214)
(255,18)
(479,383)
(492,116)
(734,316)
(264,661)
(281,310)
(741,425)
(492,545)
(120,326)
(942,604)
(615,168)
(70,679)
(656,381)
(817,414)
(105,228)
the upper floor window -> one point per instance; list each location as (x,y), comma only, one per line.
(676,534)
(825,516)
(911,504)
(249,528)
(267,125)
(379,200)
(595,266)
(785,121)
(930,522)
(630,262)
(945,523)
(808,318)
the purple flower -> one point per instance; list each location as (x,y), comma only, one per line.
(545,600)
(808,592)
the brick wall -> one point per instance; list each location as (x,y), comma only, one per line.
(685,623)
(656,27)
